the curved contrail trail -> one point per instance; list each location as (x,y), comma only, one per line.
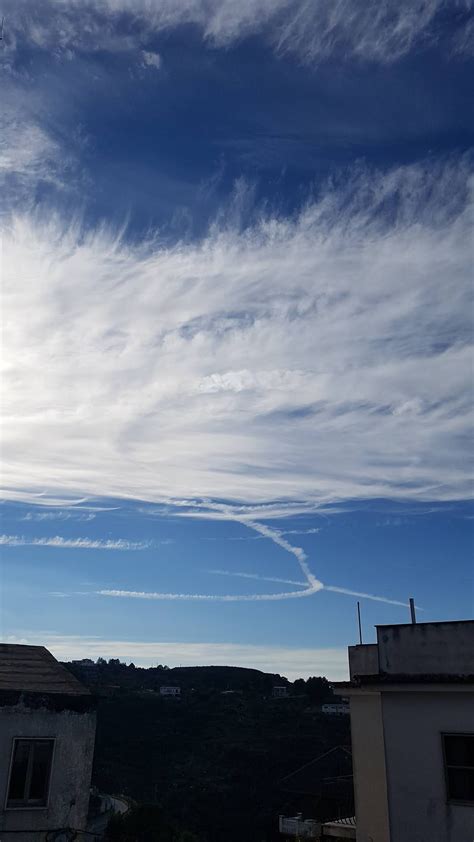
(311,586)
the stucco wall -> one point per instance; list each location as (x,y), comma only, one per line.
(363,659)
(413,723)
(430,648)
(368,759)
(71,770)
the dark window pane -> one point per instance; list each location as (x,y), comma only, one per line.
(19,770)
(459,749)
(43,752)
(461,784)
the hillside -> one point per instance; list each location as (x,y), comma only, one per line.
(213,761)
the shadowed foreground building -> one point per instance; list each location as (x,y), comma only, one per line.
(412,722)
(47,733)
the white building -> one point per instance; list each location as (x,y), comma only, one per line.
(170,691)
(412,721)
(280,692)
(47,732)
(300,827)
(336,709)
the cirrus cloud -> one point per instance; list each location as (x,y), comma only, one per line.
(351,321)
(376,30)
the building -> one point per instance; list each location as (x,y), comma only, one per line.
(86,670)
(412,721)
(335,709)
(174,692)
(299,827)
(280,692)
(338,830)
(47,732)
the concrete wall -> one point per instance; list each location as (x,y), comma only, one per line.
(363,660)
(430,648)
(413,723)
(71,770)
(368,756)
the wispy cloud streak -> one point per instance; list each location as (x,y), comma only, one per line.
(257,577)
(382,31)
(73,543)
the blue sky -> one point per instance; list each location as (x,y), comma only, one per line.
(237,258)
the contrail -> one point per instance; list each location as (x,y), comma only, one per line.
(199,597)
(277,538)
(311,586)
(257,577)
(367,596)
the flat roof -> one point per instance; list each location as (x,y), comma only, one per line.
(33,669)
(435,623)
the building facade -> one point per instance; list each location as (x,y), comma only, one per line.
(280,692)
(412,722)
(47,733)
(335,709)
(174,692)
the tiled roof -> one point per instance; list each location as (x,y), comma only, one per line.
(32,669)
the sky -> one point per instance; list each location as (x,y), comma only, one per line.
(237,380)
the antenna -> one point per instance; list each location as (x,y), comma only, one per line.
(412,610)
(360,627)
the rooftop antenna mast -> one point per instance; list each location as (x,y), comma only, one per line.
(360,626)
(412,610)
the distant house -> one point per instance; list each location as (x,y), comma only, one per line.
(170,691)
(86,669)
(280,692)
(299,827)
(336,709)
(47,732)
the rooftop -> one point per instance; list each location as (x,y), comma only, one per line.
(416,653)
(32,669)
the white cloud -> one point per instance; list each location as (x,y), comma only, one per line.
(58,515)
(28,155)
(26,151)
(293,663)
(312,531)
(73,543)
(151,59)
(380,31)
(363,299)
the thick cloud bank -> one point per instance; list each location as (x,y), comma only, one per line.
(314,358)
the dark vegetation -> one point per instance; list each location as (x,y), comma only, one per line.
(209,766)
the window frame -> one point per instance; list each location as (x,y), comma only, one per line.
(446,766)
(30,805)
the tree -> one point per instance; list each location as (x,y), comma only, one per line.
(318,689)
(145,823)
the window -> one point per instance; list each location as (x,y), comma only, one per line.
(459,764)
(30,773)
